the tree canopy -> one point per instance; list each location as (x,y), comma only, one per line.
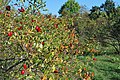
(70,7)
(107,9)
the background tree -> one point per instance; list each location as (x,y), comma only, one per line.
(107,19)
(95,12)
(109,35)
(109,8)
(70,7)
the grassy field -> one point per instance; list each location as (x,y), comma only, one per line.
(106,67)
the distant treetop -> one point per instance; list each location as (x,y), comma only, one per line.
(70,7)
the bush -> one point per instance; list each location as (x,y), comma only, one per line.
(35,46)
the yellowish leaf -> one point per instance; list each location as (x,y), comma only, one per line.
(44,78)
(53,68)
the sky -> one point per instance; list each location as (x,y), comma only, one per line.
(53,6)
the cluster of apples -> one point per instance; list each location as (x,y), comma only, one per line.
(23,71)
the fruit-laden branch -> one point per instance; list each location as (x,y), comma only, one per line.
(14,65)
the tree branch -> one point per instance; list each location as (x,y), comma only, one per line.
(7,59)
(14,65)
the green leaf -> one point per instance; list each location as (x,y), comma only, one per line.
(118,67)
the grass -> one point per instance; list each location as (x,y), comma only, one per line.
(106,67)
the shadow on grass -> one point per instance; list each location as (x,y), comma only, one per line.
(112,70)
(114,78)
(98,54)
(118,71)
(111,61)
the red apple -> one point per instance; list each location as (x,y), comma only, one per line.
(70,44)
(22,9)
(84,69)
(94,59)
(43,43)
(33,20)
(24,66)
(0,12)
(20,28)
(8,8)
(10,34)
(20,22)
(56,71)
(56,25)
(23,72)
(38,29)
